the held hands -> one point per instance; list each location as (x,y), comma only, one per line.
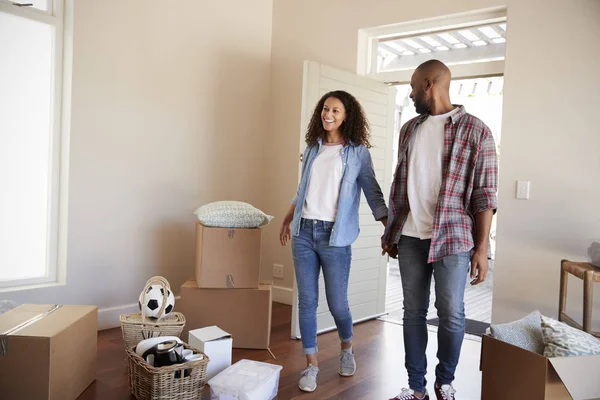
(390,249)
(479,266)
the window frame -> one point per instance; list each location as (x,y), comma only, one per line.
(58,16)
(368,43)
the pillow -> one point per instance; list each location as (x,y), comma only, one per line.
(232,214)
(564,341)
(525,333)
(6,305)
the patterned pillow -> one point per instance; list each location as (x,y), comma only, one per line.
(525,333)
(232,214)
(564,341)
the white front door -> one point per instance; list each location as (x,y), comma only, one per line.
(368,273)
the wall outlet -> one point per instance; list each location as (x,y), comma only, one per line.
(523,190)
(278,271)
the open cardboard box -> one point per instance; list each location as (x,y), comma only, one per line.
(510,372)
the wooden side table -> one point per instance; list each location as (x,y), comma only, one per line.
(590,274)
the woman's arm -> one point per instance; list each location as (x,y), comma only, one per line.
(285,234)
(370,186)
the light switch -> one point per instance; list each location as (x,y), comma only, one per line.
(523,190)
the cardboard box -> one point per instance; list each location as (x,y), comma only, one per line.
(245,313)
(216,344)
(47,352)
(510,372)
(227,258)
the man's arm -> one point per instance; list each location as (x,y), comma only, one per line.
(484,204)
(479,260)
(387,245)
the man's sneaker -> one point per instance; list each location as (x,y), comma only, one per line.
(408,394)
(347,363)
(444,392)
(308,381)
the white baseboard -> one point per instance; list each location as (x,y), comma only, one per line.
(282,295)
(110,317)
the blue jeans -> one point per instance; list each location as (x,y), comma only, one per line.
(311,251)
(450,275)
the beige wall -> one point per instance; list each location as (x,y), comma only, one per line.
(169,112)
(550,134)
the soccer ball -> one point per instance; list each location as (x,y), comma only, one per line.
(151,300)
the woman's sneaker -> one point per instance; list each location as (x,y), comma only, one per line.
(408,394)
(308,381)
(347,363)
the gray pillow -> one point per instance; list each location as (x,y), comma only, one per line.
(564,341)
(232,214)
(6,305)
(525,333)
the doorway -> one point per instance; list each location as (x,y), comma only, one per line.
(481,97)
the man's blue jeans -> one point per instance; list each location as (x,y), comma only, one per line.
(311,251)
(450,276)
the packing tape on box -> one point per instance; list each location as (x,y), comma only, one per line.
(4,336)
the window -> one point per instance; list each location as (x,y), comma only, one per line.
(32,133)
(472,44)
(477,43)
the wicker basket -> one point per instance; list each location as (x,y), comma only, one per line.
(175,382)
(136,327)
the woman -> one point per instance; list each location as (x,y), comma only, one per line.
(324,220)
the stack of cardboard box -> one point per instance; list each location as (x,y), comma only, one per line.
(227,291)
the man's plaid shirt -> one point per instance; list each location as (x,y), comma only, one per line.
(469,184)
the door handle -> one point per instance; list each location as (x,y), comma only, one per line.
(301,157)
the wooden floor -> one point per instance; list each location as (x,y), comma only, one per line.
(379,354)
(478,299)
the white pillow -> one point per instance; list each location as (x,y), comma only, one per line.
(563,340)
(232,214)
(525,333)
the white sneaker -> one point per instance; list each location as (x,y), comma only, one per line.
(308,381)
(347,363)
(444,392)
(409,394)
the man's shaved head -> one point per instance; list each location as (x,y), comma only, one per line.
(430,84)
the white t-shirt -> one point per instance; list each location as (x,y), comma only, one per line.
(425,157)
(324,185)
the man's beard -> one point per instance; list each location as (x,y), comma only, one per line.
(421,107)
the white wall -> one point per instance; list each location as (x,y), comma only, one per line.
(549,133)
(169,112)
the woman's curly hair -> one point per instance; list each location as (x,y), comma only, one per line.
(354,130)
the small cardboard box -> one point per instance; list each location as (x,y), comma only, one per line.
(510,372)
(227,258)
(244,313)
(216,344)
(47,352)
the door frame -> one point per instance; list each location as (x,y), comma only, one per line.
(310,74)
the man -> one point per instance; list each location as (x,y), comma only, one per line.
(441,205)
